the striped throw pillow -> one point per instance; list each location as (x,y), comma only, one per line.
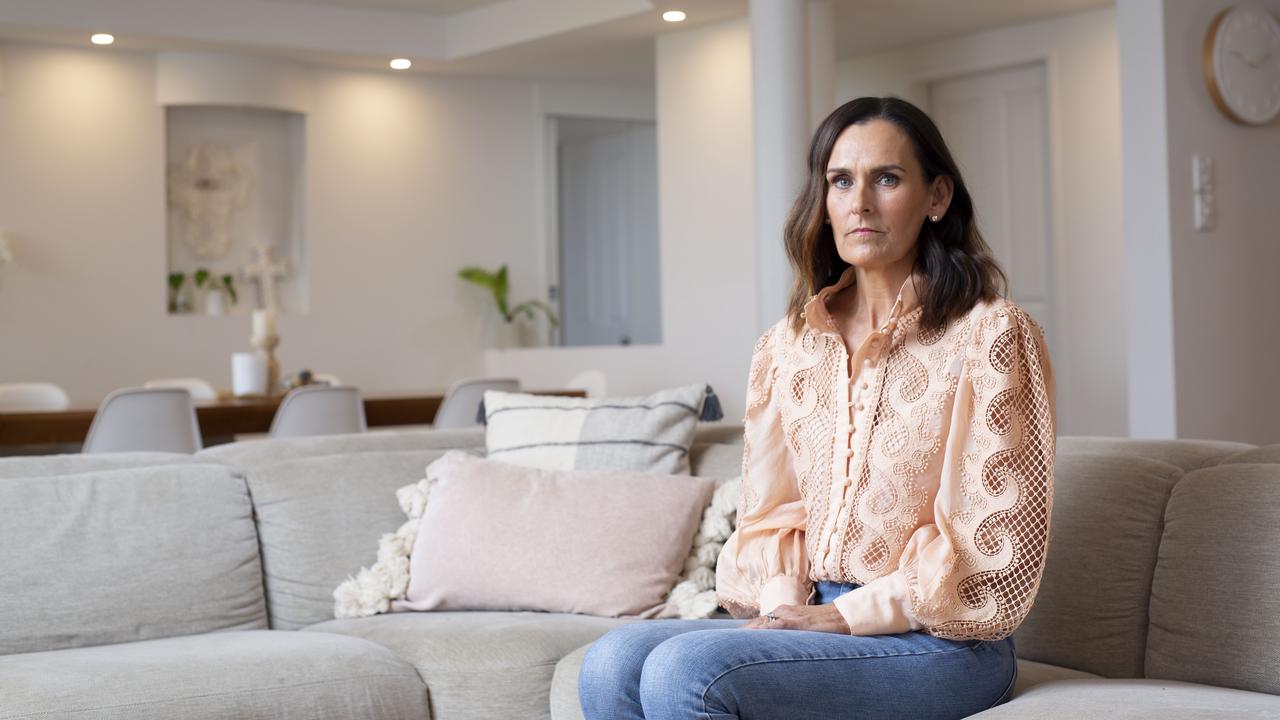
(635,434)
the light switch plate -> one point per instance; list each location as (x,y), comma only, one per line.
(1202,188)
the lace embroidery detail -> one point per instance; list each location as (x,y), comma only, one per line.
(1000,484)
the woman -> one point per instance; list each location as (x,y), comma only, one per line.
(898,466)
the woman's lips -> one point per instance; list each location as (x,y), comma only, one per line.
(864,231)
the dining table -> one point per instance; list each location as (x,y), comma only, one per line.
(222,419)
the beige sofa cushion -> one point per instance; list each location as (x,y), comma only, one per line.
(126,555)
(1133,700)
(481,665)
(76,463)
(254,675)
(1032,673)
(1091,611)
(1185,454)
(319,520)
(1215,599)
(717,460)
(251,453)
(1266,454)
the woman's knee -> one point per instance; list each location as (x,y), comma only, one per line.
(620,652)
(678,672)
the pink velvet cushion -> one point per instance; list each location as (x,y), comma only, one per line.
(503,537)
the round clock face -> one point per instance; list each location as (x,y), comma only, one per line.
(1244,46)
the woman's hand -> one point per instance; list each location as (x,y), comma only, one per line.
(816,618)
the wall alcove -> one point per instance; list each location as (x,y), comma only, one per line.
(234,193)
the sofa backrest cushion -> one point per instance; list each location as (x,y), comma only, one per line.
(28,466)
(716,460)
(1091,611)
(267,451)
(1185,454)
(1265,454)
(319,520)
(126,555)
(1215,600)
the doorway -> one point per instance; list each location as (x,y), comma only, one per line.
(996,124)
(606,263)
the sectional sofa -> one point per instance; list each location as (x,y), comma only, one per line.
(162,586)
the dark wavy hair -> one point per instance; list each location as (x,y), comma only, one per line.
(955,260)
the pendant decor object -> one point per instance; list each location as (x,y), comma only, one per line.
(207,188)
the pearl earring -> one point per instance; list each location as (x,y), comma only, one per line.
(934,218)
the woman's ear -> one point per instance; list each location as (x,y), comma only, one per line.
(940,195)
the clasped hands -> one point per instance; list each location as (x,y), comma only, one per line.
(815,618)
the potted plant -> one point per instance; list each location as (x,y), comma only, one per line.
(497,284)
(215,291)
(179,299)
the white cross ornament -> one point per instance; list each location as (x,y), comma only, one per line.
(264,272)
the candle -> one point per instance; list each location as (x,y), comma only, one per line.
(264,322)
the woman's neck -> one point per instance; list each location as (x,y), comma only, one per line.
(875,291)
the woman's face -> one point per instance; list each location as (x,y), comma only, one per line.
(878,197)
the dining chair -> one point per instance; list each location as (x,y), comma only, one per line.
(199,389)
(319,410)
(32,397)
(145,419)
(593,381)
(461,404)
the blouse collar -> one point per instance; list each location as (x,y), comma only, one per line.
(817,317)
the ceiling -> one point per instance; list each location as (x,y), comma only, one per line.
(433,7)
(865,26)
(603,40)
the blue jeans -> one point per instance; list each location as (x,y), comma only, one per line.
(712,670)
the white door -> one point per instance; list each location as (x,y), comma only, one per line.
(996,124)
(607,190)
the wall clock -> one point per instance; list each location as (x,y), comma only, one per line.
(1242,64)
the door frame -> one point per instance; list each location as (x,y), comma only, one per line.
(1007,57)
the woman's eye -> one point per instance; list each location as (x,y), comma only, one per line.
(888,180)
(842,182)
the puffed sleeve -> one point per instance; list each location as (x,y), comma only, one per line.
(764,564)
(973,572)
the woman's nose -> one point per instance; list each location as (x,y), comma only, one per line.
(862,202)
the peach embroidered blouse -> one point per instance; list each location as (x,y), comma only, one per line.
(920,466)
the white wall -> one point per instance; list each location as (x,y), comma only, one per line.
(1225,294)
(1152,380)
(706,225)
(408,178)
(1080,55)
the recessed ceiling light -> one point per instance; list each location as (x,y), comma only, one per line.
(673,16)
(102,39)
(401,64)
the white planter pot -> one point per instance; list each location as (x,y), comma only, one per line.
(215,302)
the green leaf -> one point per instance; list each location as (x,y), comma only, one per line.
(228,282)
(526,308)
(494,282)
(175,280)
(201,276)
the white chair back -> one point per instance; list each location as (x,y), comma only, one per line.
(32,397)
(200,390)
(141,419)
(461,402)
(319,410)
(593,381)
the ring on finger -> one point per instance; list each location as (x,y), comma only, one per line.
(770,617)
